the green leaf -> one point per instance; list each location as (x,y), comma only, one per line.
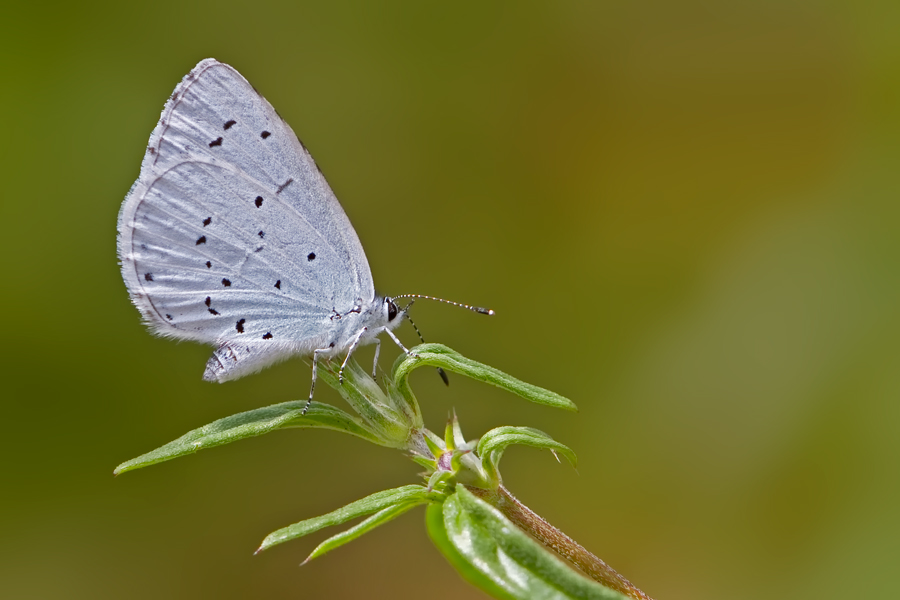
(428,463)
(438,477)
(441,356)
(435,445)
(388,415)
(493,443)
(434,522)
(408,494)
(253,423)
(380,518)
(483,541)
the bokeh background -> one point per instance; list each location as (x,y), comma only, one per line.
(684,213)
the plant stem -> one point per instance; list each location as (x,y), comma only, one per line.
(551,537)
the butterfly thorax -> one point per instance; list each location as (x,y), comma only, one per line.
(359,325)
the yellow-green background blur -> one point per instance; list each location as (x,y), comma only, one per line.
(686,215)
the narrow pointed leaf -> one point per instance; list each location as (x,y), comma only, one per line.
(506,556)
(437,477)
(435,444)
(253,423)
(376,408)
(415,494)
(441,356)
(429,464)
(380,518)
(493,443)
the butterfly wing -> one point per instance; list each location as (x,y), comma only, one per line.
(231,235)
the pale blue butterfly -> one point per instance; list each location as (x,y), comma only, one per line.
(231,236)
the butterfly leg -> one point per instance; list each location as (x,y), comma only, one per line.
(350,351)
(312,386)
(398,342)
(375,364)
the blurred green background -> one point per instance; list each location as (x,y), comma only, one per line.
(685,214)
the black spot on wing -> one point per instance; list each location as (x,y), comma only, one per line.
(268,336)
(200,240)
(261,233)
(215,142)
(264,134)
(208,265)
(311,256)
(226,282)
(260,249)
(208,301)
(240,325)
(207,221)
(213,311)
(148,276)
(259,201)
(284,185)
(228,124)
(278,284)
(169,317)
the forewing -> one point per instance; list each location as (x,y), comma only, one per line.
(231,231)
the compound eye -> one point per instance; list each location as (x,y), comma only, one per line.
(392,310)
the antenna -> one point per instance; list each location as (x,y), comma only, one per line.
(440,371)
(414,297)
(478,309)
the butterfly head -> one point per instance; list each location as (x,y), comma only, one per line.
(392,315)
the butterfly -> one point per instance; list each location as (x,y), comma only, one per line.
(232,236)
